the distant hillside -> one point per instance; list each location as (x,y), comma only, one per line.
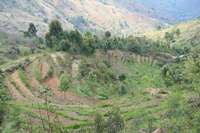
(119,17)
(182,10)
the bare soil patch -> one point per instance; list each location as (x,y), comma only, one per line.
(43,68)
(53,82)
(34,83)
(17,80)
(15,93)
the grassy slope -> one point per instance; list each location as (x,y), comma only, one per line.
(189,30)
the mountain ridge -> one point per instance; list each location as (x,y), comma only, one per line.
(94,15)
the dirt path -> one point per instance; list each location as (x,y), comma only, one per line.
(15,93)
(53,82)
(17,80)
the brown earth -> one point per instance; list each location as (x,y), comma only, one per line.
(34,83)
(15,93)
(17,80)
(43,68)
(53,83)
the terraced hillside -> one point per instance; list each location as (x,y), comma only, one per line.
(109,90)
(28,87)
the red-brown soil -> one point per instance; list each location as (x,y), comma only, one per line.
(17,80)
(15,93)
(53,83)
(34,83)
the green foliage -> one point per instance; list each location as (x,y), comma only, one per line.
(79,76)
(192,72)
(178,32)
(24,79)
(64,83)
(32,30)
(122,90)
(196,34)
(60,60)
(4,97)
(37,73)
(159,27)
(107,62)
(54,36)
(169,80)
(91,81)
(85,91)
(88,47)
(145,81)
(64,45)
(169,37)
(88,34)
(132,44)
(55,28)
(107,34)
(113,124)
(26,53)
(122,77)
(99,122)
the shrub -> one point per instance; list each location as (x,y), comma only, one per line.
(122,90)
(122,77)
(79,76)
(60,60)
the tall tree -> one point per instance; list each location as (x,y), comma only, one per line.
(48,40)
(88,47)
(32,30)
(54,36)
(55,28)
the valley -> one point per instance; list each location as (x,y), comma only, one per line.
(96,66)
